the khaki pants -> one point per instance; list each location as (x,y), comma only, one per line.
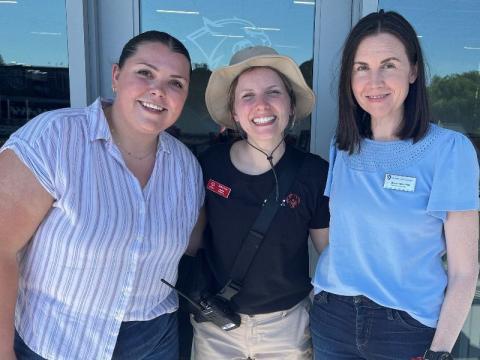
(278,335)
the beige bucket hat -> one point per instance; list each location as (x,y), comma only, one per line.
(216,95)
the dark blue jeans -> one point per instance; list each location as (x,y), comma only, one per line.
(355,327)
(155,339)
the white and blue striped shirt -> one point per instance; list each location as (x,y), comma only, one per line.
(98,256)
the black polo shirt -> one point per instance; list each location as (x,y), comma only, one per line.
(279,275)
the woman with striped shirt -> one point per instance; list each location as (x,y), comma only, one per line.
(96,206)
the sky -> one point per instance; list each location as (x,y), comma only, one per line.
(34,32)
(449,30)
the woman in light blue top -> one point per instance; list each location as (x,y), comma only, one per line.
(403,192)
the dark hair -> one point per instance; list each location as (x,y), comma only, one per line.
(164,38)
(286,83)
(353,122)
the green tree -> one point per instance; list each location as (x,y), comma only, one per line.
(455,101)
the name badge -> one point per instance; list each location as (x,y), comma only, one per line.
(218,188)
(398,182)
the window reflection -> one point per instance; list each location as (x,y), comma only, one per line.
(450,37)
(213,31)
(33,61)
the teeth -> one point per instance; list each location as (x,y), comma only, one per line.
(152,106)
(376,96)
(263,120)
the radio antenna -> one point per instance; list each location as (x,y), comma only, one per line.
(198,307)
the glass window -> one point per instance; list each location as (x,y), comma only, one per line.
(450,37)
(213,31)
(33,61)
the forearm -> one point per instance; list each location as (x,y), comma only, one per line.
(8,295)
(319,238)
(455,308)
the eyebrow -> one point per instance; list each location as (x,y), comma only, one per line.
(156,69)
(267,88)
(391,58)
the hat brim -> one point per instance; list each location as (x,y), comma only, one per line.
(216,94)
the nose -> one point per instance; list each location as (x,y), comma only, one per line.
(376,78)
(262,103)
(157,88)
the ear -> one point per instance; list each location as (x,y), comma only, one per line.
(234,116)
(412,77)
(115,75)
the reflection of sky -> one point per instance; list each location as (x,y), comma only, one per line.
(34,32)
(446,28)
(222,27)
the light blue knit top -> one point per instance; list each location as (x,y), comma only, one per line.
(388,204)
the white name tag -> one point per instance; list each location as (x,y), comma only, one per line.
(398,182)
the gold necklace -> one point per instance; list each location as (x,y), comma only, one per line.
(123,150)
(143,157)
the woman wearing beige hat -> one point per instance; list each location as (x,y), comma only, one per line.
(261,94)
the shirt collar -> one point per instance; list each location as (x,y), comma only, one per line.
(99,130)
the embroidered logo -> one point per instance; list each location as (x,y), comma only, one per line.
(218,188)
(293,200)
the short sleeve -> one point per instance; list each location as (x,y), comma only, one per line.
(34,144)
(321,218)
(331,162)
(455,182)
(321,214)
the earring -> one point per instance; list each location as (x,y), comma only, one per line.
(114,89)
(292,119)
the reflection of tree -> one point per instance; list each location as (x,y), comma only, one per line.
(307,71)
(195,128)
(456,99)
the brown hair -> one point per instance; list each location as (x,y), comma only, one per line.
(353,122)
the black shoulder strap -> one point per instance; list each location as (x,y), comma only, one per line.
(259,229)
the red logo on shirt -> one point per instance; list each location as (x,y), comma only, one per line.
(218,188)
(417,358)
(293,200)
